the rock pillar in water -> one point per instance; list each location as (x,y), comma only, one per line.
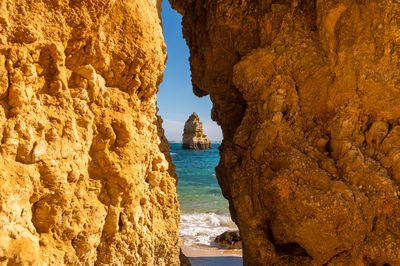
(193,136)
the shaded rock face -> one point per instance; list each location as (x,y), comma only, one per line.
(193,136)
(306,93)
(229,239)
(85,176)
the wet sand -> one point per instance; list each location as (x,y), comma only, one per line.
(212,256)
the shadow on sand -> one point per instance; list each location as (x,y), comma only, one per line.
(216,261)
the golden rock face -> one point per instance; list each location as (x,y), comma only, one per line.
(85,176)
(306,93)
(193,137)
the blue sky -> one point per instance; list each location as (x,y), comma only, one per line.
(175,98)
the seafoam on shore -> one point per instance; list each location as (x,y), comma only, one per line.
(204,211)
(202,228)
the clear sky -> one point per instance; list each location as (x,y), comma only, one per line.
(175,98)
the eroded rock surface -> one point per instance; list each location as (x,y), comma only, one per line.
(229,239)
(306,93)
(85,176)
(193,136)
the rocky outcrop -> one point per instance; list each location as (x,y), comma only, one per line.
(306,93)
(229,239)
(193,136)
(85,176)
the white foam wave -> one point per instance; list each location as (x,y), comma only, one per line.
(202,228)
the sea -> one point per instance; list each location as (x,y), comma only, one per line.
(204,211)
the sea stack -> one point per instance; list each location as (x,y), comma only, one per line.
(193,136)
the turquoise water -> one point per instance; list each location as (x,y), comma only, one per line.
(204,211)
(198,189)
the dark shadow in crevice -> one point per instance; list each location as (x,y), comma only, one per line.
(120,223)
(287,249)
(293,249)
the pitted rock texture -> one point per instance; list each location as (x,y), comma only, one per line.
(193,136)
(306,93)
(85,176)
(229,239)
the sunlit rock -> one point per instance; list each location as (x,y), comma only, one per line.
(85,175)
(193,136)
(307,96)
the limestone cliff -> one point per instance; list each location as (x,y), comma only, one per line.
(193,137)
(307,95)
(85,176)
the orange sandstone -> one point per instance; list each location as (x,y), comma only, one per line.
(193,137)
(306,93)
(85,176)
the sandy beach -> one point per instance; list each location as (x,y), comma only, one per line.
(212,256)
